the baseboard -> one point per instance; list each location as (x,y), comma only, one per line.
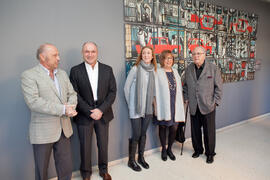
(151,151)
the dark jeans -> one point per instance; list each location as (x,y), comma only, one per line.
(62,156)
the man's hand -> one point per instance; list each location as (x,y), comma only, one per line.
(96,114)
(70,110)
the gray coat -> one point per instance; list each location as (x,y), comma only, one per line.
(204,92)
(46,105)
(130,90)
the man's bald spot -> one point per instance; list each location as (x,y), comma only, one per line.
(43,48)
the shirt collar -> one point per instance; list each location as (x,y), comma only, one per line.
(47,71)
(90,67)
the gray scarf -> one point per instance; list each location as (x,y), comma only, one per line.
(149,91)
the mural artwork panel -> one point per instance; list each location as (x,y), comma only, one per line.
(227,34)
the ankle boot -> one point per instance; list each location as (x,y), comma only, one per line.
(170,154)
(131,154)
(141,147)
(164,154)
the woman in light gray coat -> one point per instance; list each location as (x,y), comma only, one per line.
(139,93)
(169,102)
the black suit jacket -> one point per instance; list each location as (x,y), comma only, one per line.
(106,92)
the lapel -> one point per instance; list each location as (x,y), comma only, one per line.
(204,69)
(61,82)
(100,72)
(193,72)
(49,81)
(85,78)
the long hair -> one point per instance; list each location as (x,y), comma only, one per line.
(153,61)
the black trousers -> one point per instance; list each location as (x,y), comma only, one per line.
(208,123)
(85,136)
(62,156)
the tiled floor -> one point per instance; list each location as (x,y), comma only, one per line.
(243,152)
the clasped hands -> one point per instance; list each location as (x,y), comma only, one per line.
(96,114)
(70,110)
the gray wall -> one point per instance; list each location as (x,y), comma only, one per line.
(67,24)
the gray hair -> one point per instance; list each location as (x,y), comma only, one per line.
(89,42)
(200,47)
(42,48)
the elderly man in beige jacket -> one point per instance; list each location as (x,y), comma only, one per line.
(51,99)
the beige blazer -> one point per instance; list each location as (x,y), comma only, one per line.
(46,105)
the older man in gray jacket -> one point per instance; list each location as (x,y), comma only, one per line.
(202,90)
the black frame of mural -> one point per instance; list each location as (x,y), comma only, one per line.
(227,34)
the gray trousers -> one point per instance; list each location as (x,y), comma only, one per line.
(62,156)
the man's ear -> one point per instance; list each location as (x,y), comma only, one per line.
(41,57)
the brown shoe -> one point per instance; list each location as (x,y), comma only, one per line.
(105,176)
(89,178)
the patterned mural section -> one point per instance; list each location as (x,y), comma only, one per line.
(227,34)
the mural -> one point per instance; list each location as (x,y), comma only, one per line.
(227,34)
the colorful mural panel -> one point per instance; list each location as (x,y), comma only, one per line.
(227,34)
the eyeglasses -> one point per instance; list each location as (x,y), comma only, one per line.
(168,58)
(197,54)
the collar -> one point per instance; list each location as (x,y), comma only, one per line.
(47,71)
(201,67)
(90,67)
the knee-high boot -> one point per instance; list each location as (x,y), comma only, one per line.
(132,147)
(141,147)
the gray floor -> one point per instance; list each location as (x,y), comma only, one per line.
(242,153)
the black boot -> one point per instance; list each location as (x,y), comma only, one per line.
(141,160)
(131,155)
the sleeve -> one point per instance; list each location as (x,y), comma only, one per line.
(218,87)
(34,101)
(82,106)
(185,87)
(128,83)
(111,94)
(71,94)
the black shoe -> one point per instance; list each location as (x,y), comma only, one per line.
(133,165)
(164,155)
(170,154)
(210,159)
(142,162)
(196,154)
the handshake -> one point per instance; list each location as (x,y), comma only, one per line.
(70,110)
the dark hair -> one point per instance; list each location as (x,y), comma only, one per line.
(163,56)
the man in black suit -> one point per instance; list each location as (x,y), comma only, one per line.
(95,85)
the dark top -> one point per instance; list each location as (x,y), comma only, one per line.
(199,70)
(172,86)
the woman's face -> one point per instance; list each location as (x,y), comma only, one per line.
(147,55)
(168,61)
